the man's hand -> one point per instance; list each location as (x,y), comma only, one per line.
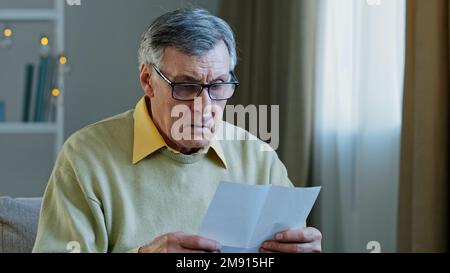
(304,240)
(179,242)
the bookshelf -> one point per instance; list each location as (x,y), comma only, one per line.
(55,16)
(28,128)
(28,15)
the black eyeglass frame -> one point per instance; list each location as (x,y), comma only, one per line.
(235,82)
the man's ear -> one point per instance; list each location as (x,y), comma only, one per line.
(145,75)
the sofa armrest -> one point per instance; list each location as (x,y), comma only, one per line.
(18,224)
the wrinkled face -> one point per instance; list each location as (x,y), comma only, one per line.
(186,125)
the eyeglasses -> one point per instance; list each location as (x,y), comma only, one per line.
(184,91)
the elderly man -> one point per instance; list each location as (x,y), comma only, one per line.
(142,181)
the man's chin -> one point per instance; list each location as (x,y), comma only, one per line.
(195,143)
(199,138)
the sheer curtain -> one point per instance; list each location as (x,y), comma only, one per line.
(357,122)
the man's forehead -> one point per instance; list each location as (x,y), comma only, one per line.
(216,60)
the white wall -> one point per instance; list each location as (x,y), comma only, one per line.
(102,38)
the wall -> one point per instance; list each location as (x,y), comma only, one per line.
(102,38)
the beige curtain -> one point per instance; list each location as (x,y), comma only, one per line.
(423,203)
(276,65)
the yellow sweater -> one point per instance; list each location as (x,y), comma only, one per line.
(116,186)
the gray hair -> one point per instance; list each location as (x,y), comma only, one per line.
(191,31)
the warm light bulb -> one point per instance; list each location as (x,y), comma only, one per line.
(62,59)
(7,32)
(55,92)
(44,41)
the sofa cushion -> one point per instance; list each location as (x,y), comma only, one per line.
(18,224)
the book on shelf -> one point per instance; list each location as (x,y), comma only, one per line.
(2,111)
(50,100)
(43,100)
(39,90)
(29,71)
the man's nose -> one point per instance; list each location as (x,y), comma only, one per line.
(206,100)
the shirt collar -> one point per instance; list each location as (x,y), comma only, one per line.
(148,140)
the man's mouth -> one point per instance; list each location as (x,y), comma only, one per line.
(206,125)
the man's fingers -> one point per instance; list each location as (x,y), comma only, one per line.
(185,250)
(280,247)
(263,250)
(303,235)
(198,242)
(179,242)
(292,247)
